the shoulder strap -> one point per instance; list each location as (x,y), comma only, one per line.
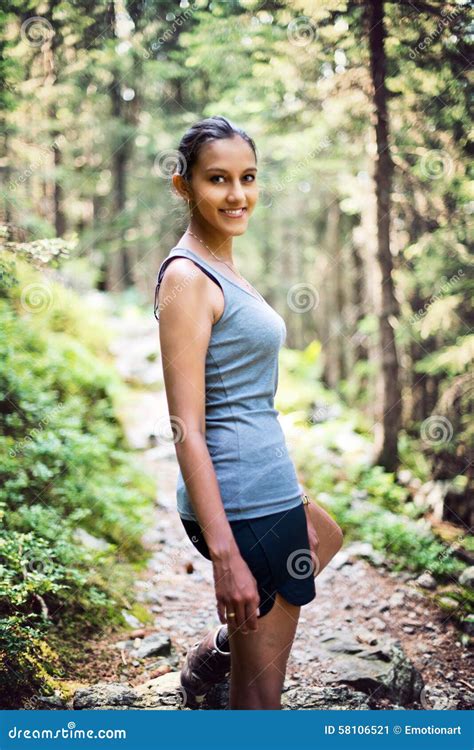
(163,268)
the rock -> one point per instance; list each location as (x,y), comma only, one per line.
(377,623)
(325,698)
(104,695)
(169,594)
(383,668)
(426,581)
(365,636)
(165,692)
(365,550)
(81,536)
(467,577)
(131,620)
(467,624)
(155,644)
(447,603)
(51,701)
(397,599)
(123,645)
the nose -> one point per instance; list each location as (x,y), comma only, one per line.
(236,193)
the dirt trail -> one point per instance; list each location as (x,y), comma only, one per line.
(345,637)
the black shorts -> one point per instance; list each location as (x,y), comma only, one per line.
(276,549)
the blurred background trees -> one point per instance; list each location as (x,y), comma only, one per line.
(360,240)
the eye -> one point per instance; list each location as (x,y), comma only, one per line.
(218,176)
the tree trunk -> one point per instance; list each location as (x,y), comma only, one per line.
(391,395)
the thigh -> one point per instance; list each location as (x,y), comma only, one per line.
(329,533)
(259,658)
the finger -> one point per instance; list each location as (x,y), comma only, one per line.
(252,612)
(239,619)
(221,612)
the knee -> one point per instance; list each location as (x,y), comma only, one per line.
(337,539)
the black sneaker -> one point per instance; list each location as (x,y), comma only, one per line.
(205,665)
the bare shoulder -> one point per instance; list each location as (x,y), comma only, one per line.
(182,271)
(186,290)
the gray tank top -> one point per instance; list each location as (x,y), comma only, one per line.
(246,443)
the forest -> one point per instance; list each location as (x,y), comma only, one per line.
(360,240)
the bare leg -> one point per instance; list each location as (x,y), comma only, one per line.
(259,658)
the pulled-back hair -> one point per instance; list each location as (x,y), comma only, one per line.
(200,133)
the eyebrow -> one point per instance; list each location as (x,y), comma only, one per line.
(221,169)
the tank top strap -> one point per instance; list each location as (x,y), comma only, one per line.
(180,252)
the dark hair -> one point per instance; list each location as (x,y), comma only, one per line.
(202,132)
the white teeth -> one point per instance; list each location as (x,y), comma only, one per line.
(234,213)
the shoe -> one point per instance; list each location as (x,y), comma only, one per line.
(205,666)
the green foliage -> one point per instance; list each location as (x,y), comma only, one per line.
(368,502)
(64,468)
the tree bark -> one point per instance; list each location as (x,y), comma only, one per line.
(391,395)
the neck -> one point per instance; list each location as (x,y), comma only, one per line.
(219,245)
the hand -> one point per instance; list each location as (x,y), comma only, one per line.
(236,591)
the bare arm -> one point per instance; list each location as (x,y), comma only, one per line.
(185,328)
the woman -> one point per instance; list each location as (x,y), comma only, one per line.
(238,495)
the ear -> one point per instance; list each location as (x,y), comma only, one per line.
(180,187)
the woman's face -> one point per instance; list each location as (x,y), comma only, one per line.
(225,178)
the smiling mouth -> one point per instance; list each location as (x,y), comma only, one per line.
(233,213)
